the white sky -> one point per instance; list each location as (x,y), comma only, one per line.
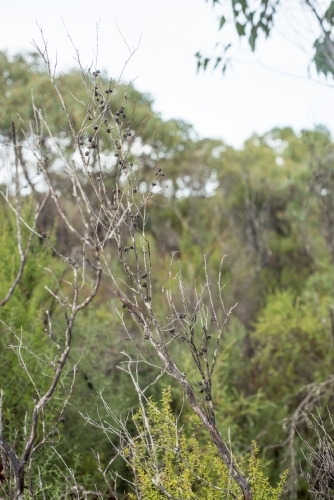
(247,99)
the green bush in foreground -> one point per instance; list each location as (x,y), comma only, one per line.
(169,464)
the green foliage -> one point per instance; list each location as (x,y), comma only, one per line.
(167,462)
(293,335)
(22,317)
(260,485)
(256,20)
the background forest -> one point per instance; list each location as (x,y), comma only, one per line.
(267,208)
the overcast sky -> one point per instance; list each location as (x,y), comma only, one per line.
(249,98)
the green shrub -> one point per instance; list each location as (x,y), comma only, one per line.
(169,464)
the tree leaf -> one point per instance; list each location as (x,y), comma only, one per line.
(222,22)
(240,29)
(252,38)
(205,63)
(329,14)
(244,5)
(217,62)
